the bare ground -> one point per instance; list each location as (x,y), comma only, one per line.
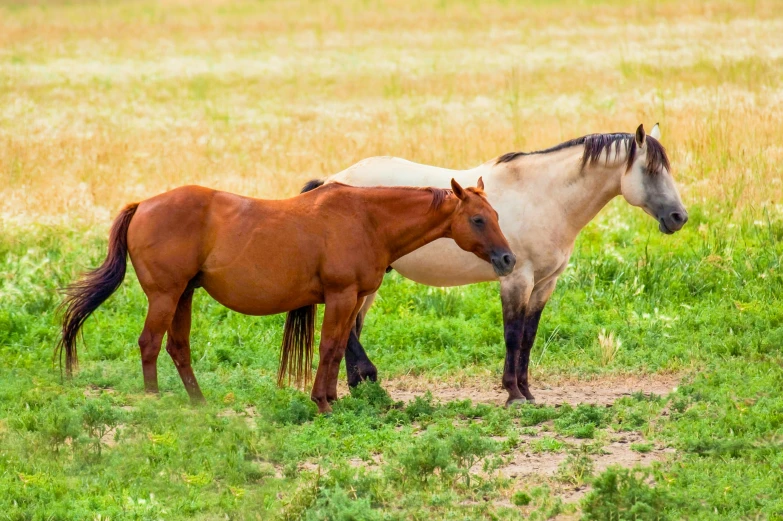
(601,391)
(528,466)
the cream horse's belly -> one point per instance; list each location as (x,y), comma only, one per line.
(442,262)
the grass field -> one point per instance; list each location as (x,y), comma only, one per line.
(102,103)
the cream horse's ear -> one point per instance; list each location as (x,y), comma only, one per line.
(656,132)
(641,137)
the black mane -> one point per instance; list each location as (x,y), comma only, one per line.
(597,144)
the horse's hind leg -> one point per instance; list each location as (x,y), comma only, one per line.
(178,345)
(159,315)
(357,364)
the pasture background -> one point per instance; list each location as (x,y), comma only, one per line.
(102,103)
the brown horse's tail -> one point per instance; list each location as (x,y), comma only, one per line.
(85,295)
(296,356)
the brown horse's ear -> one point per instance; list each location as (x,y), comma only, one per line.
(457,189)
(480,183)
(641,137)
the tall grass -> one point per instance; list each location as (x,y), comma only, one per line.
(102,103)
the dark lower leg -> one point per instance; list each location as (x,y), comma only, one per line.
(528,339)
(513,326)
(357,364)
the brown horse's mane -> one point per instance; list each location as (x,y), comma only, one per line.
(597,144)
(439,195)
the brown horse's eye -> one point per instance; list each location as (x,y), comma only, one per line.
(477,220)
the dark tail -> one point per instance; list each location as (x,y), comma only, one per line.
(86,294)
(296,356)
(311,185)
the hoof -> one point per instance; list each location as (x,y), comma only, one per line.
(518,401)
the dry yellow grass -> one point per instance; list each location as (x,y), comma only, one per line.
(104,103)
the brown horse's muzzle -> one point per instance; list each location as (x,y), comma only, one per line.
(503,262)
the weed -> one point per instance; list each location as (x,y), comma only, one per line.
(642,448)
(426,455)
(547,444)
(577,468)
(607,347)
(582,421)
(421,408)
(100,418)
(521,498)
(624,494)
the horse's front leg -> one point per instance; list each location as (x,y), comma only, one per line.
(514,294)
(339,316)
(535,307)
(357,364)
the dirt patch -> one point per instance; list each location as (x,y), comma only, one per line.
(616,452)
(603,391)
(375,462)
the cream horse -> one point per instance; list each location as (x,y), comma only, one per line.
(544,199)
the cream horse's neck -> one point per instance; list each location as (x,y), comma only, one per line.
(560,181)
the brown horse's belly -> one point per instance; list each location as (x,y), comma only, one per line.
(259,295)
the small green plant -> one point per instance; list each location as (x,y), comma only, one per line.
(624,494)
(642,448)
(375,395)
(545,506)
(297,410)
(100,418)
(547,444)
(521,498)
(582,421)
(427,454)
(468,447)
(577,468)
(336,504)
(530,415)
(421,408)
(60,425)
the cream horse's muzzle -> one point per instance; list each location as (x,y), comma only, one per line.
(672,221)
(503,262)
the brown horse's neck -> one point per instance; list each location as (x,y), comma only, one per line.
(407,223)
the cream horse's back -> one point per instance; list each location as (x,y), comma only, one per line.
(521,211)
(421,265)
(543,200)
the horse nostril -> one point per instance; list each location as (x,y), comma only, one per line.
(678,218)
(508,260)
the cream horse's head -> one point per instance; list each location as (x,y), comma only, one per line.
(648,183)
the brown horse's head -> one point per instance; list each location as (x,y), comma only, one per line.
(475,228)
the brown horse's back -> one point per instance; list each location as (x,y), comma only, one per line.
(251,255)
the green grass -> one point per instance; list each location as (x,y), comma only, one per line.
(704,304)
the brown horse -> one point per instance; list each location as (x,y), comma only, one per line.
(260,257)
